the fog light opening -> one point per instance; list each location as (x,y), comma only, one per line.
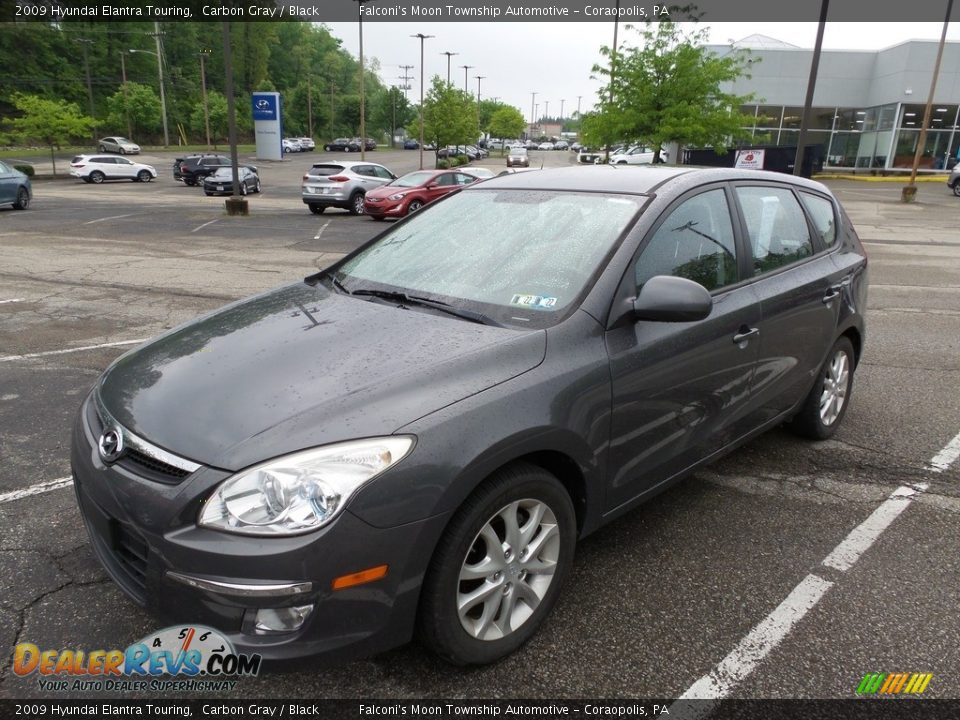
(359,578)
(286,619)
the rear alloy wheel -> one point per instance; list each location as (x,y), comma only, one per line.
(144,176)
(256,188)
(23,199)
(97,177)
(956,188)
(414,206)
(827,403)
(243,187)
(317,209)
(103,148)
(356,204)
(499,567)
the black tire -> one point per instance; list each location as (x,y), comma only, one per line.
(414,206)
(810,422)
(327,148)
(208,193)
(190,182)
(257,188)
(144,176)
(97,177)
(356,204)
(243,187)
(103,148)
(439,623)
(378,218)
(956,189)
(86,180)
(317,209)
(23,199)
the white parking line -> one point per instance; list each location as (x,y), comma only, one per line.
(201,227)
(37,489)
(771,631)
(320,231)
(112,217)
(120,343)
(946,457)
(4,302)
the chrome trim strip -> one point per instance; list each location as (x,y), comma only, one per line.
(138,443)
(241,590)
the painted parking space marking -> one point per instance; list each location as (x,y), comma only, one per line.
(201,227)
(774,628)
(320,231)
(37,489)
(112,217)
(48,353)
(12,300)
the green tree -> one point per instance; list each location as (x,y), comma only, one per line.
(668,89)
(507,122)
(449,116)
(51,122)
(138,103)
(217,104)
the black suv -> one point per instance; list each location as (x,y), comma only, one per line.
(194,168)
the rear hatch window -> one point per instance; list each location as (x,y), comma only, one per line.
(322,171)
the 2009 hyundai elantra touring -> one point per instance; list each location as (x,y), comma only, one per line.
(415,438)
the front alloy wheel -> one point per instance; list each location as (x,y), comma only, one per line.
(499,568)
(23,199)
(956,188)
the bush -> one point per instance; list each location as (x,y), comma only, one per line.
(463,159)
(25,169)
(442,164)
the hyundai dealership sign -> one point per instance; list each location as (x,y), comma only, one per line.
(267,125)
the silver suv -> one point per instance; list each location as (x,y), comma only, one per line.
(342,185)
(954,181)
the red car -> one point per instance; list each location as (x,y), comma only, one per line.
(411,192)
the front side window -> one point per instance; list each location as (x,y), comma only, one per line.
(696,242)
(776,226)
(521,257)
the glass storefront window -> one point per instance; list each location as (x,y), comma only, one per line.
(935,151)
(769,116)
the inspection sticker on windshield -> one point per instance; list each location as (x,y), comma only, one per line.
(534,301)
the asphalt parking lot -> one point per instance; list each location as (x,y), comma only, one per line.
(658,601)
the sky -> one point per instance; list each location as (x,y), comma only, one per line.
(554,59)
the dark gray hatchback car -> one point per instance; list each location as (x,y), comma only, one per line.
(415,438)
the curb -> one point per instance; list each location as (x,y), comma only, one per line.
(889,179)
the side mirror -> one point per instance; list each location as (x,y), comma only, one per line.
(665,298)
(433,186)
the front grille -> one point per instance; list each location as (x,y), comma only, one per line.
(131,551)
(159,470)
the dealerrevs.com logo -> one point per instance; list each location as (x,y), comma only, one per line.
(201,655)
(894,683)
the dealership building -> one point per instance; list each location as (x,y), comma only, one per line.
(868,107)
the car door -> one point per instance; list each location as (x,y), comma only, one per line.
(680,391)
(8,184)
(382,176)
(125,168)
(367,177)
(798,286)
(441,185)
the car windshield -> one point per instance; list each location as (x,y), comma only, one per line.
(123,140)
(520,257)
(518,151)
(414,179)
(224,173)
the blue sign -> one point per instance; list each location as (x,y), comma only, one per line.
(264,106)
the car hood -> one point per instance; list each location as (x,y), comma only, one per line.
(300,367)
(385,191)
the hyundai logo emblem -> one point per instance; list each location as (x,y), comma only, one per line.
(111,445)
(263,104)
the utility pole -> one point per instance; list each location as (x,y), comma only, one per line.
(407,77)
(126,99)
(546,109)
(333,87)
(363,124)
(561,113)
(449,55)
(613,69)
(309,104)
(163,97)
(465,68)
(86,67)
(479,78)
(203,83)
(811,85)
(533,97)
(578,106)
(422,38)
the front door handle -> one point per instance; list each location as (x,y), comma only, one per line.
(744,335)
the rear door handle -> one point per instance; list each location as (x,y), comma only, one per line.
(832,294)
(745,335)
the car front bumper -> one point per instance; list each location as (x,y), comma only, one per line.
(144,534)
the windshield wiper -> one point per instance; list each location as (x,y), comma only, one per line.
(440,305)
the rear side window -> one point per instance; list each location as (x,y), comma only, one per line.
(4,168)
(694,242)
(776,226)
(325,170)
(821,212)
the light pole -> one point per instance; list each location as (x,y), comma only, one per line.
(562,101)
(449,55)
(203,83)
(533,97)
(465,68)
(126,101)
(163,97)
(578,106)
(363,124)
(235,205)
(422,38)
(479,78)
(546,109)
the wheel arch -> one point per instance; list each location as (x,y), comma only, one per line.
(856,339)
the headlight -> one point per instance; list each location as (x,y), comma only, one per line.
(300,492)
(398,196)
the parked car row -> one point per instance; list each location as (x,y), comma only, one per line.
(471,151)
(195,169)
(100,168)
(349,145)
(297,144)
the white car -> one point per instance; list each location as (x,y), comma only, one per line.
(97,168)
(636,155)
(307,144)
(291,145)
(117,144)
(545,146)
